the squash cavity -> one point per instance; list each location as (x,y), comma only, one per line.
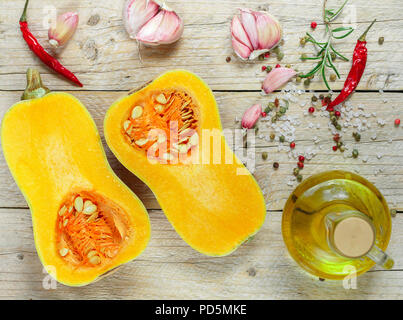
(90,229)
(164,124)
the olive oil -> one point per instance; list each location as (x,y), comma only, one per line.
(305,224)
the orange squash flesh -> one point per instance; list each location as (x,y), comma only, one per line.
(55,154)
(213,207)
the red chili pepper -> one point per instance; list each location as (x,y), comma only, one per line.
(357,69)
(40,52)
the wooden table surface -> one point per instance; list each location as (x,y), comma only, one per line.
(107,62)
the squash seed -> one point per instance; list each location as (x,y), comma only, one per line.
(95,260)
(63,252)
(184,131)
(70,209)
(185,139)
(65,222)
(91,254)
(126,125)
(161,99)
(137,112)
(141,142)
(87,203)
(185,105)
(158,108)
(186,113)
(62,211)
(78,204)
(90,209)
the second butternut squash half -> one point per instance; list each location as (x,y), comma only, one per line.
(169,134)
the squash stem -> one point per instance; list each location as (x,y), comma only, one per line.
(35,88)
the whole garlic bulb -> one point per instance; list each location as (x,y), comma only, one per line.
(151,23)
(254,33)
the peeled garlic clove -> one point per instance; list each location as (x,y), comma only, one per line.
(239,34)
(241,50)
(249,24)
(251,116)
(63,30)
(136,13)
(255,33)
(165,28)
(269,30)
(276,78)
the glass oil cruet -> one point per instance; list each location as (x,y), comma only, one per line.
(336,223)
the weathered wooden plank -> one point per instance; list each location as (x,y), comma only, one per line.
(170,269)
(388,145)
(103,56)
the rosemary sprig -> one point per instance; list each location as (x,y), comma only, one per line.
(326,52)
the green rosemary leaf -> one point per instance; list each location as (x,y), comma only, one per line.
(344,35)
(310,58)
(312,39)
(341,29)
(338,53)
(336,14)
(312,72)
(331,65)
(329,11)
(321,51)
(324,77)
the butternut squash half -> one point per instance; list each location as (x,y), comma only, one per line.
(86,222)
(169,134)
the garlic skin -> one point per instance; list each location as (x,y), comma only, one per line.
(165,28)
(251,116)
(276,78)
(151,23)
(136,13)
(60,33)
(254,33)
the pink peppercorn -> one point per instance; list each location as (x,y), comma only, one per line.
(300,165)
(264,114)
(267,54)
(397,122)
(301,158)
(292,145)
(278,66)
(311,110)
(337,113)
(264,68)
(314,25)
(334,148)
